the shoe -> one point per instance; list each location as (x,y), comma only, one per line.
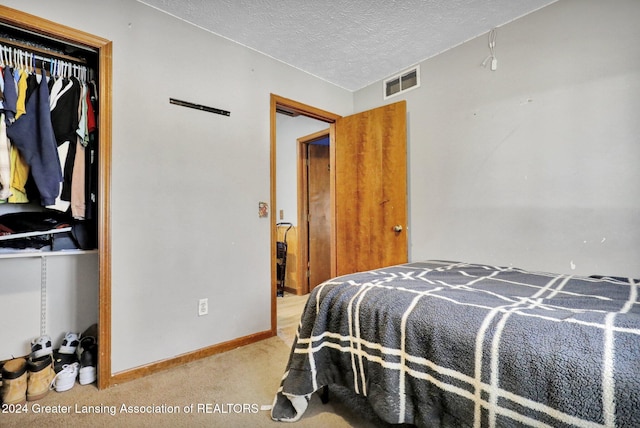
(41,346)
(41,374)
(66,378)
(92,331)
(14,381)
(69,343)
(61,360)
(87,356)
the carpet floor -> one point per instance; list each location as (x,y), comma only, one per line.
(231,389)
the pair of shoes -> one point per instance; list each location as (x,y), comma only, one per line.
(66,378)
(67,365)
(26,380)
(82,349)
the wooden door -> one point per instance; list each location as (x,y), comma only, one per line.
(319,214)
(370,188)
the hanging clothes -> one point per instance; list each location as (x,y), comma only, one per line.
(33,135)
(19,177)
(22,93)
(5,148)
(61,204)
(64,106)
(5,161)
(10,94)
(78,208)
(78,191)
(72,118)
(91,153)
(48,139)
(19,167)
(64,110)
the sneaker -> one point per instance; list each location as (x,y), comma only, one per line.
(41,346)
(87,355)
(92,331)
(69,343)
(65,380)
(61,360)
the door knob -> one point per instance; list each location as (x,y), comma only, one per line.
(397,228)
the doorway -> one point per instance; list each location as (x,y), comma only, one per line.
(314,209)
(280,105)
(367,186)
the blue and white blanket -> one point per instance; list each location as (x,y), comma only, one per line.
(445,344)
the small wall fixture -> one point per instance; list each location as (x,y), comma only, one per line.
(492,51)
(408,79)
(199,107)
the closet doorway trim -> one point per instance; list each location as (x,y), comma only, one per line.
(103,47)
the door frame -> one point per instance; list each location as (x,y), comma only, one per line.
(303,205)
(104,49)
(288,105)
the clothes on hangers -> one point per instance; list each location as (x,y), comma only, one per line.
(5,161)
(22,93)
(91,154)
(48,145)
(20,171)
(64,110)
(33,135)
(10,96)
(71,118)
(19,167)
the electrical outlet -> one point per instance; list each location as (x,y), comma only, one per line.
(203,307)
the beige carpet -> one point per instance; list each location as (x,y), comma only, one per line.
(228,389)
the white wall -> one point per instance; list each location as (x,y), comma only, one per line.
(66,281)
(535,164)
(186,184)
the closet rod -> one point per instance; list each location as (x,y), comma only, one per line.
(47,53)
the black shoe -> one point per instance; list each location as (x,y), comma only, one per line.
(61,359)
(88,355)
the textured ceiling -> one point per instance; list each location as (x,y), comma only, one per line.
(350,43)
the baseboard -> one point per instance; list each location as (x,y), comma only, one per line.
(140,372)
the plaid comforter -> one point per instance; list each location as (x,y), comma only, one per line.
(450,344)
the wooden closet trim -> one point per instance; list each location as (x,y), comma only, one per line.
(104,48)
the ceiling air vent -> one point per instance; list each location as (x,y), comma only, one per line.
(402,82)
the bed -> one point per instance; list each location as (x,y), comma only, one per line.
(448,344)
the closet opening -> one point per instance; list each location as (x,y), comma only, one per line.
(54,206)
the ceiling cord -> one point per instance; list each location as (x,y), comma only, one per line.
(492,51)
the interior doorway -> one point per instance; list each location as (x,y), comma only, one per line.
(314,209)
(367,185)
(280,105)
